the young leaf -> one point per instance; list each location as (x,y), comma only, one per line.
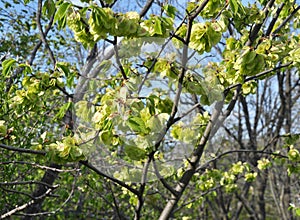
(234,6)
(49,8)
(7,65)
(106,137)
(62,111)
(170,10)
(3,128)
(135,153)
(137,124)
(157,26)
(62,11)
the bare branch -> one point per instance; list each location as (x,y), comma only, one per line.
(197,106)
(146,8)
(59,208)
(32,55)
(40,166)
(43,36)
(272,23)
(285,21)
(257,27)
(162,180)
(140,202)
(115,43)
(23,150)
(24,206)
(16,192)
(26,183)
(184,60)
(121,183)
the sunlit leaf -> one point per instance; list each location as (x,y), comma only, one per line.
(7,66)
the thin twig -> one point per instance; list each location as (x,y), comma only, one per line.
(140,202)
(60,207)
(32,55)
(285,21)
(24,206)
(26,183)
(204,166)
(116,48)
(198,106)
(17,192)
(119,182)
(43,36)
(22,150)
(40,166)
(259,75)
(162,180)
(272,23)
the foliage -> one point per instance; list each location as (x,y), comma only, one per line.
(117,112)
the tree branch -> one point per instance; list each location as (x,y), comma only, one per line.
(121,183)
(146,8)
(272,23)
(116,49)
(32,55)
(285,21)
(162,180)
(40,166)
(24,206)
(22,150)
(26,183)
(261,74)
(90,70)
(184,60)
(257,27)
(43,36)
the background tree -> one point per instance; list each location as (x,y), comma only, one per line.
(117,109)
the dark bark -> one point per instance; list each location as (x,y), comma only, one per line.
(261,189)
(48,178)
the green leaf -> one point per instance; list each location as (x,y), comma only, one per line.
(250,177)
(133,83)
(62,11)
(165,106)
(137,124)
(64,67)
(156,122)
(3,128)
(26,68)
(246,88)
(170,10)
(106,137)
(62,111)
(234,6)
(177,131)
(135,153)
(76,153)
(63,150)
(49,8)
(157,26)
(137,105)
(7,65)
